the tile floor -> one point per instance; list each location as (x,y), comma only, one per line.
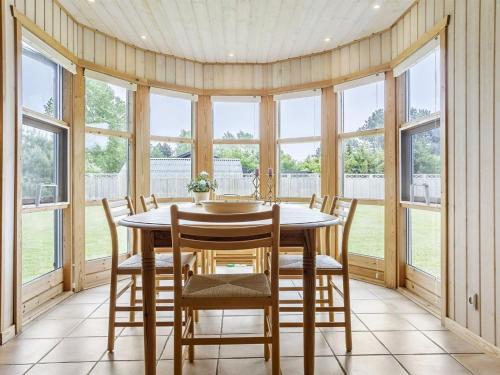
(391,335)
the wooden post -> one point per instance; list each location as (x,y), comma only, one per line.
(328,142)
(268,152)
(203,143)
(140,177)
(391,196)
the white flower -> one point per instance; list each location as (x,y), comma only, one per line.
(204,174)
(202,183)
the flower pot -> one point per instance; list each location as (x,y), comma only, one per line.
(198,197)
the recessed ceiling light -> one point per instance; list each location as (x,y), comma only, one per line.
(230,54)
(327,39)
(91,1)
(143,37)
(376,6)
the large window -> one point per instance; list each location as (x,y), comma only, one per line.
(236,144)
(44,165)
(171,153)
(299,152)
(107,118)
(361,160)
(420,139)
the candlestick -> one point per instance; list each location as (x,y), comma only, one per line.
(270,172)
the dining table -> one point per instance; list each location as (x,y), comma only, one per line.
(298,228)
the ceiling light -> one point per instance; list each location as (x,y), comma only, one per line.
(230,54)
(376,6)
(91,1)
(327,39)
(143,37)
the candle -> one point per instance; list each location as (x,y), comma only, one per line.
(257,172)
(270,172)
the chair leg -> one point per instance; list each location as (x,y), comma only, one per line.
(267,353)
(133,297)
(275,328)
(112,312)
(191,334)
(329,280)
(321,291)
(347,311)
(177,340)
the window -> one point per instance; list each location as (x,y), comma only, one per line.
(420,160)
(107,117)
(236,144)
(171,148)
(43,167)
(361,160)
(299,152)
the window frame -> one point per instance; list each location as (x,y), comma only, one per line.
(295,140)
(170,139)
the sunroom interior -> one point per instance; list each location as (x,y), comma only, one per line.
(379,114)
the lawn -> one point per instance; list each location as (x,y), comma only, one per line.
(367,238)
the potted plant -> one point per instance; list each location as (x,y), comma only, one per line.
(201,187)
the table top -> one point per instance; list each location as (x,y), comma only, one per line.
(291,217)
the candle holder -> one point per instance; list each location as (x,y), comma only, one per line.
(256,186)
(270,196)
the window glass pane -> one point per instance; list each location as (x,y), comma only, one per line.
(233,120)
(170,117)
(367,231)
(170,169)
(300,169)
(424,87)
(98,236)
(363,107)
(106,105)
(41,83)
(363,167)
(41,243)
(424,242)
(234,168)
(300,117)
(106,167)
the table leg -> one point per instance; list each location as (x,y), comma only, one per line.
(309,285)
(149,301)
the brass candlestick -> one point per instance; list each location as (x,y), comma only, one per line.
(256,185)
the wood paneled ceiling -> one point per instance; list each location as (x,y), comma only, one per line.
(237,30)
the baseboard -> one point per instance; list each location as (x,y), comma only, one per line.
(471,337)
(422,302)
(7,334)
(44,307)
(366,279)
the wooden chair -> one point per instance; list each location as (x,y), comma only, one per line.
(131,266)
(327,265)
(149,203)
(226,291)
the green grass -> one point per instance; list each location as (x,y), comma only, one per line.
(367,238)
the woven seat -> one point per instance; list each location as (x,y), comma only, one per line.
(227,286)
(322,262)
(164,263)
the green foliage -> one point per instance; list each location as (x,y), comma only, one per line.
(161,150)
(363,157)
(247,154)
(49,108)
(202,184)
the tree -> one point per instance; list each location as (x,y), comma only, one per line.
(161,150)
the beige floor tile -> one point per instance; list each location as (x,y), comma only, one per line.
(372,365)
(404,307)
(49,328)
(361,293)
(119,368)
(442,364)
(367,306)
(93,327)
(198,367)
(451,342)
(77,349)
(208,325)
(25,351)
(244,312)
(323,366)
(103,312)
(356,324)
(426,322)
(479,364)
(385,322)
(291,345)
(78,368)
(242,324)
(200,351)
(241,351)
(13,369)
(407,342)
(131,348)
(138,331)
(244,366)
(93,298)
(363,343)
(77,311)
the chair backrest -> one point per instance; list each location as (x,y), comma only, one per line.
(115,211)
(200,231)
(344,209)
(149,203)
(319,203)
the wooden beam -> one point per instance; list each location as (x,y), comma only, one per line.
(328,142)
(268,143)
(204,136)
(78,180)
(142,150)
(391,177)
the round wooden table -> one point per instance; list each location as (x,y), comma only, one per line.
(298,227)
